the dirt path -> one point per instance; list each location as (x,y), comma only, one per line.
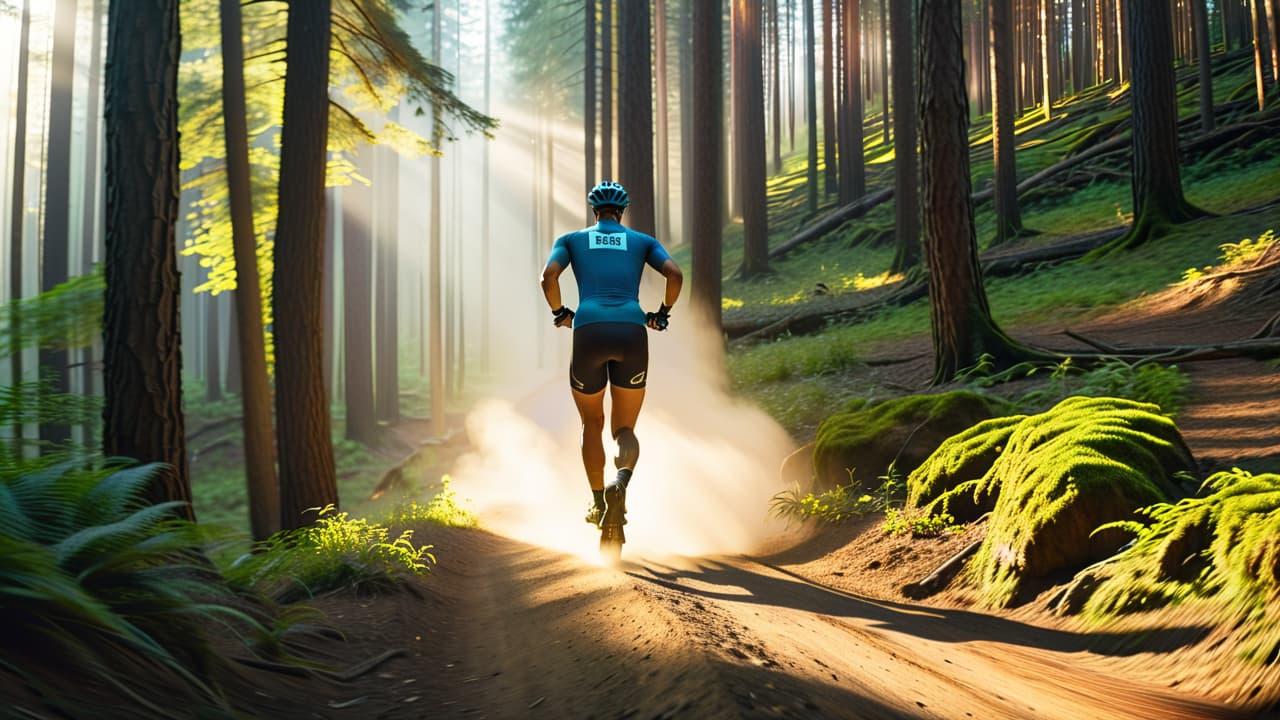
(512,630)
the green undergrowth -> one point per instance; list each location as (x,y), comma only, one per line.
(900,432)
(1053,478)
(336,552)
(95,581)
(1162,385)
(841,503)
(1222,545)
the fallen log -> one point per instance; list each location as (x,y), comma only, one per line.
(831,221)
(811,319)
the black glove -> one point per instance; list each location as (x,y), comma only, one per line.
(564,317)
(659,320)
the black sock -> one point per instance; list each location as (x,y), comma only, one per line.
(598,496)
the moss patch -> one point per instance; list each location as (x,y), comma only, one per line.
(903,431)
(947,482)
(1055,477)
(1222,545)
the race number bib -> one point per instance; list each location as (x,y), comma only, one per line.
(607,241)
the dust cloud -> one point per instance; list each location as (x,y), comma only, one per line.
(708,462)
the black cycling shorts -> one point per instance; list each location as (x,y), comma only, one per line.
(615,352)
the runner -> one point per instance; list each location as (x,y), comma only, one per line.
(610,346)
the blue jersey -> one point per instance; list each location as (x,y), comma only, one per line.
(607,260)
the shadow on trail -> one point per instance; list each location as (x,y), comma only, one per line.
(722,581)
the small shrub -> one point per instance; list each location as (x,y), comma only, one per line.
(1234,255)
(1161,385)
(841,503)
(921,525)
(442,509)
(335,553)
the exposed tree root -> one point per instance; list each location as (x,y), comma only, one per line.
(347,675)
(939,578)
(1264,348)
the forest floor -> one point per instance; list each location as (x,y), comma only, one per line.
(813,625)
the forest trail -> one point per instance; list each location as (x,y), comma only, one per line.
(527,632)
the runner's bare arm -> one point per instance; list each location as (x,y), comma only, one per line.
(551,284)
(675,279)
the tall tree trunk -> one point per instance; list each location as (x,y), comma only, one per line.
(662,212)
(91,225)
(387,375)
(963,329)
(212,350)
(142,345)
(589,99)
(791,73)
(688,194)
(776,88)
(18,200)
(1261,59)
(749,139)
(1206,68)
(1077,46)
(829,141)
(56,243)
(1046,41)
(1005,195)
(1273,31)
(635,113)
(332,201)
(606,89)
(435,291)
(302,402)
(708,111)
(357,305)
(906,188)
(486,242)
(884,70)
(853,182)
(1122,45)
(1157,174)
(811,103)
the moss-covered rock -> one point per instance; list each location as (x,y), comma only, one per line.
(947,482)
(1223,545)
(1063,473)
(906,430)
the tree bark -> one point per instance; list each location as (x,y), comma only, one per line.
(1077,46)
(791,73)
(212,350)
(56,243)
(884,71)
(963,329)
(635,112)
(1261,54)
(853,182)
(776,89)
(829,140)
(606,89)
(662,213)
(1003,141)
(708,113)
(750,137)
(302,402)
(435,292)
(1157,174)
(905,161)
(1273,31)
(91,225)
(589,99)
(1206,68)
(142,346)
(688,194)
(18,200)
(811,102)
(387,375)
(1046,41)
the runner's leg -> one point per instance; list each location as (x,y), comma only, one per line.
(625,412)
(591,410)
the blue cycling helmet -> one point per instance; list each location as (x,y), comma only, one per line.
(608,193)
